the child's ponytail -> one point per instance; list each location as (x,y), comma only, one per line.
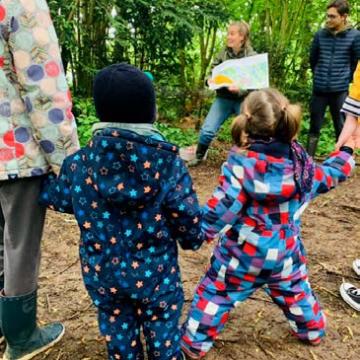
(266,114)
(288,124)
(238,130)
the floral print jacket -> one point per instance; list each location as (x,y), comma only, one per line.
(37,127)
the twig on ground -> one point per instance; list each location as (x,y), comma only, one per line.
(47,353)
(231,341)
(77,313)
(313,355)
(259,299)
(336,273)
(68,267)
(267,352)
(48,306)
(350,207)
(328,291)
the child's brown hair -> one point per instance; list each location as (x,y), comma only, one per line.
(266,114)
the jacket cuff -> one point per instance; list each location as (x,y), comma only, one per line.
(347,149)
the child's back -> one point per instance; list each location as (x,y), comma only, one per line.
(255,212)
(132,197)
(261,182)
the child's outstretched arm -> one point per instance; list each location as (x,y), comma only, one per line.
(227,201)
(183,211)
(56,193)
(335,169)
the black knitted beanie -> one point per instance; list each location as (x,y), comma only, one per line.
(123,93)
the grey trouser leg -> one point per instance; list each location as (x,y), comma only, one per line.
(21,227)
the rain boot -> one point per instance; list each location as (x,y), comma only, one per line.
(24,339)
(200,155)
(312,144)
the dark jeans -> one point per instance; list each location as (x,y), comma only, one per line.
(319,103)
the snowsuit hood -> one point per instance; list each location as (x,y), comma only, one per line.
(117,186)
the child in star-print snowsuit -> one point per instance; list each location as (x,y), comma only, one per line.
(133,199)
(265,185)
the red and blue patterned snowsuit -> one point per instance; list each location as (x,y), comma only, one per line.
(255,212)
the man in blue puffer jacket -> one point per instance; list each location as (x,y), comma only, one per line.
(133,199)
(334,54)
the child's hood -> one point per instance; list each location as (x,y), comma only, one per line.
(266,174)
(130,169)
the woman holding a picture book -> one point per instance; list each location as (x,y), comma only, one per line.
(228,99)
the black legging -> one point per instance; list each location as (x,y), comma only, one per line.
(318,105)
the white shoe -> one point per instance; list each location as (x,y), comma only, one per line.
(356,266)
(351,295)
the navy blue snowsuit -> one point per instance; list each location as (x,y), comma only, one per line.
(133,199)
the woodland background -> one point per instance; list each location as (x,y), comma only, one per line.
(175,40)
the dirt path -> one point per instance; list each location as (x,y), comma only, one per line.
(257,328)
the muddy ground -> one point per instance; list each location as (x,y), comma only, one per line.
(257,328)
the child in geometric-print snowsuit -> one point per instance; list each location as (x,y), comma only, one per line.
(265,185)
(133,199)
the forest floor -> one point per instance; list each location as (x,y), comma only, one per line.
(257,329)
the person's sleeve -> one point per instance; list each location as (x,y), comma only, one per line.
(351,105)
(56,191)
(334,170)
(314,52)
(224,207)
(41,80)
(183,210)
(355,56)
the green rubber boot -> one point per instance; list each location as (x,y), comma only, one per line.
(24,339)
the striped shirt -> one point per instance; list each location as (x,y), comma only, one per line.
(351,106)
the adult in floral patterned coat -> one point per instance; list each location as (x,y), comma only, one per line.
(37,131)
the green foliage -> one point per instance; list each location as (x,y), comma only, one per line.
(327,139)
(85,115)
(176,41)
(176,135)
(225,132)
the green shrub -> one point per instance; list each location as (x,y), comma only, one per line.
(327,137)
(178,136)
(85,114)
